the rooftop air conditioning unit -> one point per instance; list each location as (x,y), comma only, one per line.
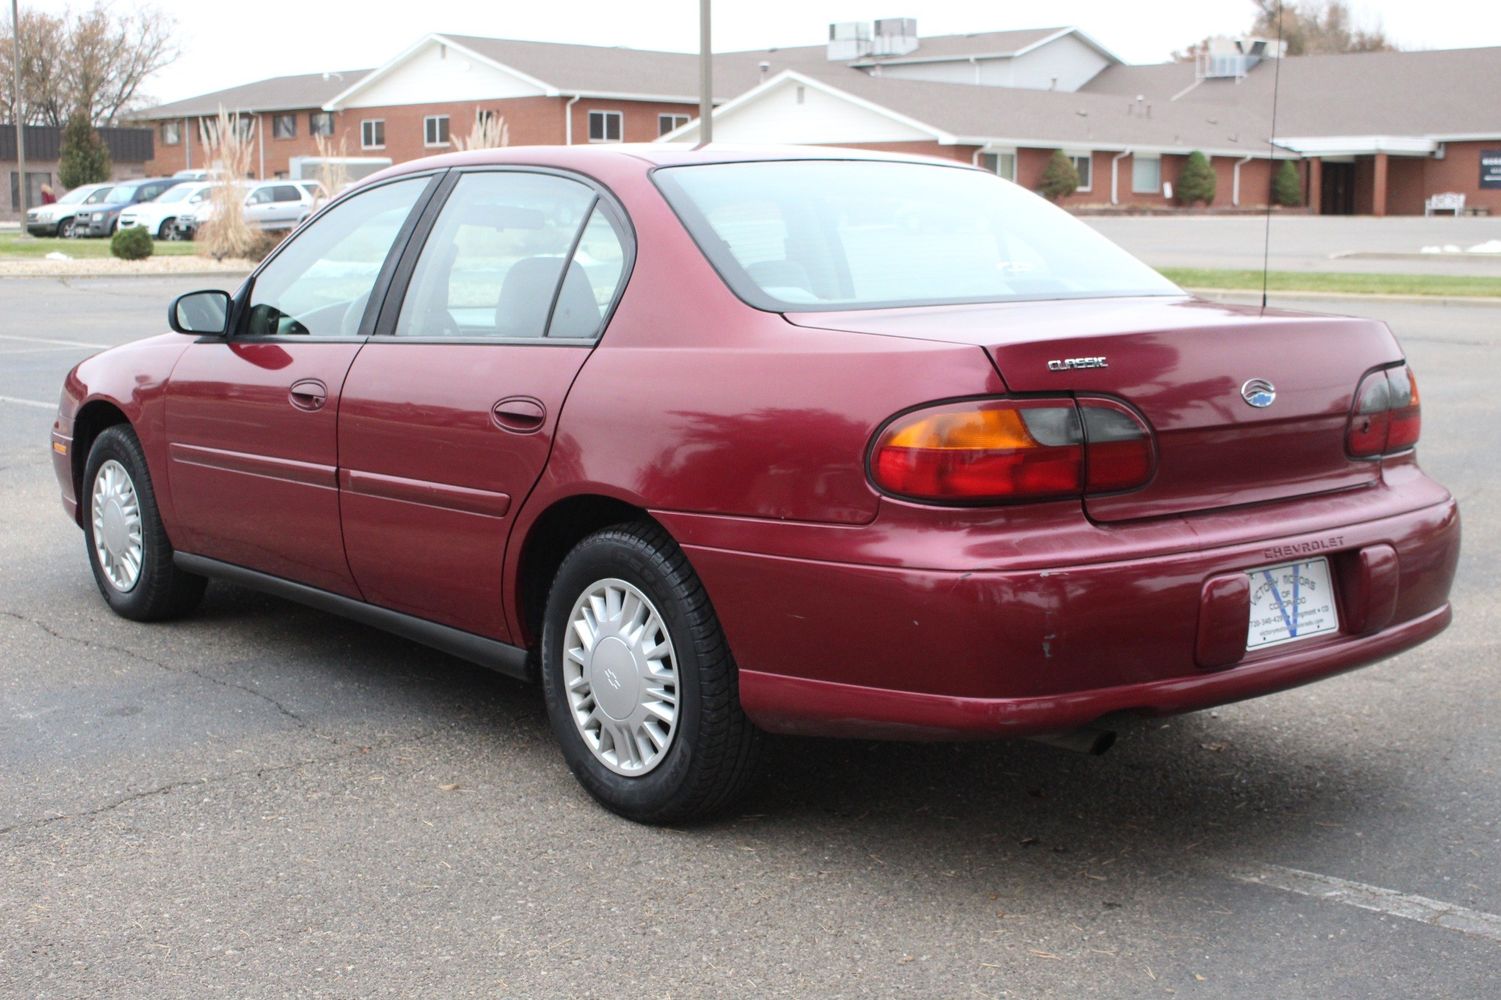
(895,36)
(849,40)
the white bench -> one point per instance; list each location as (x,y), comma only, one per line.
(1449,201)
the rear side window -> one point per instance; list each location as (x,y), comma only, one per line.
(319,284)
(286,192)
(509,254)
(799,235)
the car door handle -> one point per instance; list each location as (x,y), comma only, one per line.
(518,414)
(308,394)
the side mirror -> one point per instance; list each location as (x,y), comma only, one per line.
(200,313)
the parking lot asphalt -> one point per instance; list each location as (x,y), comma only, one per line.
(262,800)
(1391,245)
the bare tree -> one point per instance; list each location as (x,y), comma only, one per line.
(94,61)
(1315,27)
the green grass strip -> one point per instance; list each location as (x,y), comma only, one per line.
(14,247)
(1325,281)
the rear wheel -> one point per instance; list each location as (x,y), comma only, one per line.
(640,686)
(127,544)
(164,232)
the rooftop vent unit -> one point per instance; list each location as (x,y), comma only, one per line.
(895,36)
(849,40)
(1232,58)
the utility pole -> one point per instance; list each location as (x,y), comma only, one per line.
(705,76)
(15,105)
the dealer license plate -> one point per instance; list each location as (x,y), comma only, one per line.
(1291,602)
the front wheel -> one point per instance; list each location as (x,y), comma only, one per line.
(65,229)
(127,544)
(164,232)
(640,686)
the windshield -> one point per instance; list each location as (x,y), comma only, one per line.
(121,192)
(176,192)
(839,234)
(98,196)
(76,195)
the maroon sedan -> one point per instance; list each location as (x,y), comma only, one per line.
(718,443)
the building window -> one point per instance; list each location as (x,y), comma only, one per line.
(320,123)
(1084,164)
(435,130)
(604,126)
(34,181)
(171,133)
(666,123)
(284,127)
(246,125)
(373,133)
(1001,164)
(1146,174)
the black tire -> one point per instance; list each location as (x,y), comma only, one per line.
(164,231)
(161,590)
(65,229)
(711,759)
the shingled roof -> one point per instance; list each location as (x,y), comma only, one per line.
(279,93)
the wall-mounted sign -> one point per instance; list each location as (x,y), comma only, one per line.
(1490,168)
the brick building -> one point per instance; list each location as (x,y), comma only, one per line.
(1373,133)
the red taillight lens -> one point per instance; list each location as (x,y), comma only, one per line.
(997,450)
(1119,447)
(1387,417)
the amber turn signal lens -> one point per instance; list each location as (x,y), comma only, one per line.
(997,450)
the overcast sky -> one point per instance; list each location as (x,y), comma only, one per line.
(225,43)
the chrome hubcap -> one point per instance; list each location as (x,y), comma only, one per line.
(118,539)
(621,676)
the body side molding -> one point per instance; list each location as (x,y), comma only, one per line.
(498,656)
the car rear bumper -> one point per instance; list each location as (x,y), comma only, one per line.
(848,648)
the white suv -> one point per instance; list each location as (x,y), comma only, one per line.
(160,214)
(268,205)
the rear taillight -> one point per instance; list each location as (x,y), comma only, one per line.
(993,450)
(1387,416)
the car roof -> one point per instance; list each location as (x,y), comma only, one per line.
(647,154)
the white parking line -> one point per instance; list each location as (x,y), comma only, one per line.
(28,402)
(49,340)
(1370,897)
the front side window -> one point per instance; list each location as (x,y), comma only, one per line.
(171,133)
(605,126)
(666,123)
(1146,174)
(320,123)
(284,127)
(373,133)
(832,234)
(320,282)
(435,130)
(507,257)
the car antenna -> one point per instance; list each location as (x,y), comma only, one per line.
(1271,142)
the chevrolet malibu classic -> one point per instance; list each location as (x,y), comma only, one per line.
(721,442)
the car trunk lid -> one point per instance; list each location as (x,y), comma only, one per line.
(1187,366)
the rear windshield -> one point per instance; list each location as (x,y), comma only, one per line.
(800,235)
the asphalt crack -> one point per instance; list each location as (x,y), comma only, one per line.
(210,678)
(213,779)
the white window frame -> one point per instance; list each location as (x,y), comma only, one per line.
(1136,188)
(1085,186)
(998,153)
(370,124)
(605,117)
(673,123)
(429,121)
